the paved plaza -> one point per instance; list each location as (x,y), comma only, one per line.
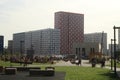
(84,63)
(25,76)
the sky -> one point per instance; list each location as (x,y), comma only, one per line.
(27,15)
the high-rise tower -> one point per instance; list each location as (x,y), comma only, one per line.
(71,27)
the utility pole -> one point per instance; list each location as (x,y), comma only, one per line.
(114,51)
(111,54)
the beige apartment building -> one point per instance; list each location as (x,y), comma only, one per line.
(84,49)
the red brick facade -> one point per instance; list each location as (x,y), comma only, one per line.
(71,27)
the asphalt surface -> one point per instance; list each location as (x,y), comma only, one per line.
(25,76)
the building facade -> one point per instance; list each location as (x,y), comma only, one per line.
(1,44)
(10,46)
(111,49)
(99,38)
(71,27)
(83,50)
(19,43)
(42,42)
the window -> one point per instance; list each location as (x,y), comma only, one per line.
(90,50)
(76,50)
(93,50)
(83,52)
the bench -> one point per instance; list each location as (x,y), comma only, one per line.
(49,68)
(24,68)
(10,71)
(36,72)
(27,68)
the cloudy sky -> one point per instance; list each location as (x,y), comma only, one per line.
(26,15)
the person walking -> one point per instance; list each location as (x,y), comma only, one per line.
(93,61)
(79,62)
(103,62)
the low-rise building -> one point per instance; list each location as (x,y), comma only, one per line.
(42,42)
(85,49)
(99,37)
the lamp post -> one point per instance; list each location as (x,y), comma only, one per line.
(112,54)
(102,38)
(115,48)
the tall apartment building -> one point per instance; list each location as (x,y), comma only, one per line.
(19,43)
(1,44)
(43,42)
(99,38)
(71,27)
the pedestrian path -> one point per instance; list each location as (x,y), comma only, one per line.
(84,63)
(63,63)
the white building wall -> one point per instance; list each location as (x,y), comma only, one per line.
(97,37)
(18,42)
(43,42)
(36,42)
(27,41)
(46,42)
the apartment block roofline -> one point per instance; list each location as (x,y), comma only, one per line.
(69,12)
(94,33)
(35,30)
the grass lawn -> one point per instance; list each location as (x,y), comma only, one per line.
(87,73)
(79,73)
(7,63)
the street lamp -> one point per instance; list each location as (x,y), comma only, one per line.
(102,38)
(115,48)
(111,54)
